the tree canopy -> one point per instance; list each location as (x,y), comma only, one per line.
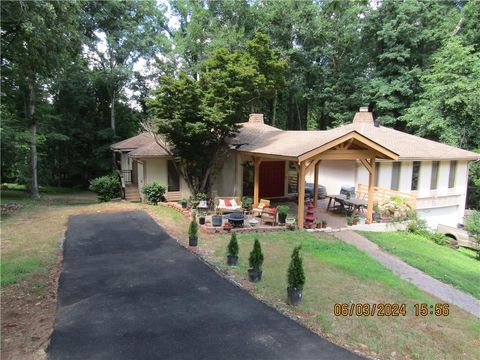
(77,75)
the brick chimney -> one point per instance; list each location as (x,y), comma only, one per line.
(363,116)
(255,118)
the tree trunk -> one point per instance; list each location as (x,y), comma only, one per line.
(112,113)
(112,125)
(34,193)
(274,110)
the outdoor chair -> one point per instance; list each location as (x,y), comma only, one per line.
(269,215)
(228,204)
(264,203)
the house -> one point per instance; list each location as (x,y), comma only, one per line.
(269,162)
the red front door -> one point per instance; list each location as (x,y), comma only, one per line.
(272,178)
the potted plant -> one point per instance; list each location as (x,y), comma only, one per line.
(247,203)
(362,220)
(296,278)
(193,233)
(217,219)
(256,261)
(227,227)
(324,224)
(282,213)
(232,250)
(355,220)
(201,219)
(349,220)
(319,225)
(184,203)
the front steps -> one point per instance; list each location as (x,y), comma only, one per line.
(132,194)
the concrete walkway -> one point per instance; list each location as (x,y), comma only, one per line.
(129,291)
(423,281)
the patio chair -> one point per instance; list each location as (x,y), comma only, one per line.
(264,203)
(269,215)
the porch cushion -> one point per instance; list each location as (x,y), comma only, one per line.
(228,202)
(271,211)
(221,203)
(233,202)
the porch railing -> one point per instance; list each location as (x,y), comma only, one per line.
(382,195)
(127,176)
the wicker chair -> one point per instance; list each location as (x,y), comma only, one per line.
(269,215)
(261,205)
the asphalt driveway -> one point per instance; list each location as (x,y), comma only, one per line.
(129,291)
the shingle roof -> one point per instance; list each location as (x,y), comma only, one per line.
(411,147)
(133,142)
(267,140)
(150,149)
(257,137)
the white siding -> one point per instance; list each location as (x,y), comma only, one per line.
(444,215)
(406,170)
(424,178)
(334,174)
(156,170)
(385,175)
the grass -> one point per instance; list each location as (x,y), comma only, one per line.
(456,267)
(337,272)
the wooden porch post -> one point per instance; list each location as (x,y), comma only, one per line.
(256,180)
(301,195)
(315,183)
(371,179)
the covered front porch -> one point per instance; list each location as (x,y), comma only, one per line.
(350,146)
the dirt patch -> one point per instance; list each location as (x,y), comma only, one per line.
(28,315)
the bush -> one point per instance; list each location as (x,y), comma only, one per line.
(247,202)
(232,248)
(155,192)
(439,238)
(296,275)
(256,257)
(283,209)
(107,187)
(193,229)
(417,225)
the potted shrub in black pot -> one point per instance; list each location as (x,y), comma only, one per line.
(184,203)
(296,278)
(232,250)
(282,213)
(193,233)
(256,261)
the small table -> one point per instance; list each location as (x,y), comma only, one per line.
(352,205)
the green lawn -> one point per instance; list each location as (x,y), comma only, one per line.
(337,272)
(456,267)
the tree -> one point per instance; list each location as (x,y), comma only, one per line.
(472,223)
(450,102)
(296,274)
(124,32)
(37,39)
(196,117)
(404,35)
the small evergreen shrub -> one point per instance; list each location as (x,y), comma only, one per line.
(107,187)
(154,192)
(283,210)
(193,229)
(296,274)
(232,248)
(439,238)
(256,257)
